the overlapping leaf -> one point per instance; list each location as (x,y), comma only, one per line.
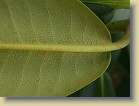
(112,3)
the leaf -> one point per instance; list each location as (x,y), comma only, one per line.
(118,26)
(121,14)
(51,47)
(117,4)
(105,13)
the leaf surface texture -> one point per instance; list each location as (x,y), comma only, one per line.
(38,40)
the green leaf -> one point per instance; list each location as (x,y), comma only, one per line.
(121,14)
(112,3)
(51,47)
(118,26)
(105,13)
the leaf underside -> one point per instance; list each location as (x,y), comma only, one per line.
(49,22)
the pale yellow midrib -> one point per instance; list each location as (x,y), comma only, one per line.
(69,48)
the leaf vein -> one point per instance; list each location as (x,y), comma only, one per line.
(40,71)
(13,22)
(32,23)
(47,9)
(22,72)
(5,62)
